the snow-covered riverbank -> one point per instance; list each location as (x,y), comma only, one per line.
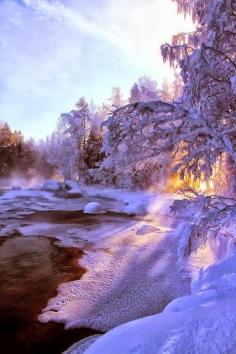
(203,322)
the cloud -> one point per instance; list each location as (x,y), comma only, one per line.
(145,25)
(135,27)
(60,12)
(35,53)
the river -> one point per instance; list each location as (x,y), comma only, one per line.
(111,272)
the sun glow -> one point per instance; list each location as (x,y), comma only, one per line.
(199,185)
(216,183)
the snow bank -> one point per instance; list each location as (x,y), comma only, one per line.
(93,208)
(70,184)
(73,188)
(136,202)
(143,203)
(14,194)
(74,192)
(189,331)
(209,277)
(52,186)
(137,207)
(82,345)
(122,270)
(203,322)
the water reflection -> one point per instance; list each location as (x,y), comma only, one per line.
(31,269)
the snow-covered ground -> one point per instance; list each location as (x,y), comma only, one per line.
(203,322)
(128,276)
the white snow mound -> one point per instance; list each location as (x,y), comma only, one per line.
(93,208)
(51,186)
(138,208)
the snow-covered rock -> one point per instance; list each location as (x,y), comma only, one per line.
(70,185)
(93,208)
(51,186)
(72,189)
(137,208)
(146,229)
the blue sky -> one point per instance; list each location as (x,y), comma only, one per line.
(53,52)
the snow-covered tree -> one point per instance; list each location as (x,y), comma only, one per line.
(17,155)
(207,59)
(201,126)
(61,151)
(166,92)
(68,142)
(135,94)
(116,98)
(198,130)
(144,90)
(78,122)
(130,145)
(93,153)
(177,86)
(171,90)
(148,89)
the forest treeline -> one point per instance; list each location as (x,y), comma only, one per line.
(21,157)
(78,149)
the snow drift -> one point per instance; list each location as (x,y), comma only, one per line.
(52,186)
(93,208)
(203,322)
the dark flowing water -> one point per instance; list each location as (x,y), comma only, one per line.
(78,217)
(31,268)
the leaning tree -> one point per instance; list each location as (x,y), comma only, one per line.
(202,125)
(200,129)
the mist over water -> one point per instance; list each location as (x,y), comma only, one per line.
(21,182)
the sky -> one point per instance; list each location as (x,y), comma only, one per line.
(54,51)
